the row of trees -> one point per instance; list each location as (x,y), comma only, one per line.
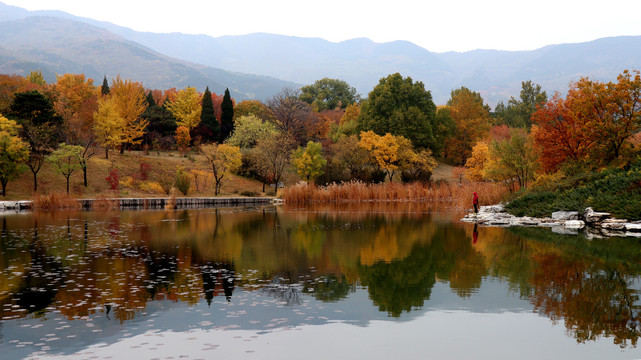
(594,127)
(326,132)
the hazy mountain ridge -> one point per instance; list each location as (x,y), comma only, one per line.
(58,45)
(361,62)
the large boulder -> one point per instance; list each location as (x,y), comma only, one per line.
(565,215)
(593,217)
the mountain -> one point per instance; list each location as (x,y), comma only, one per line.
(360,62)
(57,45)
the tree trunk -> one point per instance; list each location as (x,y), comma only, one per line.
(67,185)
(84,173)
(4,187)
(35,180)
(106,152)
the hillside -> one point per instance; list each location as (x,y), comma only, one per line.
(57,46)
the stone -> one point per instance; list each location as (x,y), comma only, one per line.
(574,224)
(633,227)
(494,209)
(614,224)
(592,217)
(565,215)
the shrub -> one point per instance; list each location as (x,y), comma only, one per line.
(166,181)
(127,182)
(151,187)
(248,193)
(182,181)
(143,172)
(112,179)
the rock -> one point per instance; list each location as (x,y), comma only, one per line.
(565,215)
(494,209)
(614,224)
(633,227)
(592,217)
(574,224)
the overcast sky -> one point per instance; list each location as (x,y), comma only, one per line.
(447,25)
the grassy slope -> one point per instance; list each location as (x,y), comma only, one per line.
(128,165)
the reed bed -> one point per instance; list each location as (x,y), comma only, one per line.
(456,195)
(54,200)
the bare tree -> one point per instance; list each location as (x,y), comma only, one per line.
(291,115)
(274,154)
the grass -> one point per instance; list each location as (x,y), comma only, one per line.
(617,191)
(53,185)
(457,195)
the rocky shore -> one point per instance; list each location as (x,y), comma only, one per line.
(593,224)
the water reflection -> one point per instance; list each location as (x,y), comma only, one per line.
(120,265)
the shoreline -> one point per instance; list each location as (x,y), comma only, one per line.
(593,224)
(144,203)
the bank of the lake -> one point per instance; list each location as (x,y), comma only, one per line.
(149,203)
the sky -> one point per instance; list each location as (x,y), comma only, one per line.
(438,26)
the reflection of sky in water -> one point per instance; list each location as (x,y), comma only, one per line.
(488,325)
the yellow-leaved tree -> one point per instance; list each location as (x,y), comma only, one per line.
(186,108)
(108,124)
(223,160)
(130,101)
(475,164)
(382,151)
(13,151)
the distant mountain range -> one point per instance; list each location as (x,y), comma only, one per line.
(59,42)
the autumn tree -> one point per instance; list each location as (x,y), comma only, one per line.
(75,99)
(108,124)
(513,161)
(382,151)
(209,127)
(351,156)
(274,154)
(329,94)
(561,134)
(11,85)
(309,161)
(13,151)
(186,108)
(291,115)
(35,77)
(223,160)
(471,123)
(227,116)
(130,101)
(475,164)
(613,109)
(400,106)
(414,166)
(66,160)
(41,128)
(253,107)
(182,139)
(249,130)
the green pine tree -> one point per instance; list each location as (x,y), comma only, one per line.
(227,117)
(209,128)
(105,87)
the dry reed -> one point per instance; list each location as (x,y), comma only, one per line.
(54,200)
(456,195)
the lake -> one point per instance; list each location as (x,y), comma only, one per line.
(378,280)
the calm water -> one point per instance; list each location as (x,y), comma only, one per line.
(380,281)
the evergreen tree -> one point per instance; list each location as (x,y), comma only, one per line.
(104,90)
(209,128)
(162,123)
(227,117)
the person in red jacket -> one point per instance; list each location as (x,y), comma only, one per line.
(475,201)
